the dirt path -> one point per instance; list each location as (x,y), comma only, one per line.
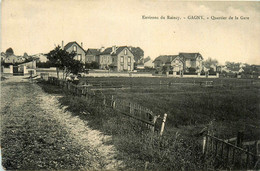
(37,134)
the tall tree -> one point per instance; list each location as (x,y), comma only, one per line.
(209,63)
(64,61)
(137,52)
(233,65)
(9,51)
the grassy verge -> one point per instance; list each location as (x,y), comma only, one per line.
(135,143)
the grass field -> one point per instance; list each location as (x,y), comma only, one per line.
(226,107)
(232,104)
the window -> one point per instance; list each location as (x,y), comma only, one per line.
(74,48)
(113,59)
(122,59)
(125,51)
(79,57)
(129,68)
(129,59)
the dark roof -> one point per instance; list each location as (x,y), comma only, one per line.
(108,51)
(93,51)
(190,55)
(68,45)
(166,58)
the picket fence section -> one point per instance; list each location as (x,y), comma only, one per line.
(227,155)
(130,109)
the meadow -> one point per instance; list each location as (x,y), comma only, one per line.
(224,107)
(232,104)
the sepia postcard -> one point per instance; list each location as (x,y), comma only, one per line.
(130,85)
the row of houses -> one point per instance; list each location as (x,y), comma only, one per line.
(183,62)
(12,58)
(122,58)
(115,58)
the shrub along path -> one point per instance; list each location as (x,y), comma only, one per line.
(37,134)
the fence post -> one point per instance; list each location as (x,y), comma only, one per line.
(227,155)
(216,149)
(130,108)
(146,165)
(82,91)
(234,152)
(113,103)
(104,100)
(247,157)
(204,142)
(256,151)
(256,148)
(163,123)
(240,136)
(154,121)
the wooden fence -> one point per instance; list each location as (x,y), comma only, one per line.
(130,109)
(230,154)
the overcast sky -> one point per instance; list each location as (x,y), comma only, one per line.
(36,26)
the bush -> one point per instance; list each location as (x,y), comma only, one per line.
(47,64)
(92,65)
(192,70)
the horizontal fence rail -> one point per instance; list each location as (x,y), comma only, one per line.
(225,155)
(130,109)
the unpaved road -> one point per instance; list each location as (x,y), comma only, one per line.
(37,134)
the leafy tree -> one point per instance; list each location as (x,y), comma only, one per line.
(9,52)
(65,61)
(137,52)
(75,67)
(233,65)
(46,64)
(210,62)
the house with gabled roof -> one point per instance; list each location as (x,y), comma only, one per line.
(172,62)
(148,62)
(192,60)
(78,49)
(117,58)
(180,63)
(92,55)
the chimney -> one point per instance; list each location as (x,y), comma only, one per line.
(113,49)
(102,49)
(81,44)
(62,44)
